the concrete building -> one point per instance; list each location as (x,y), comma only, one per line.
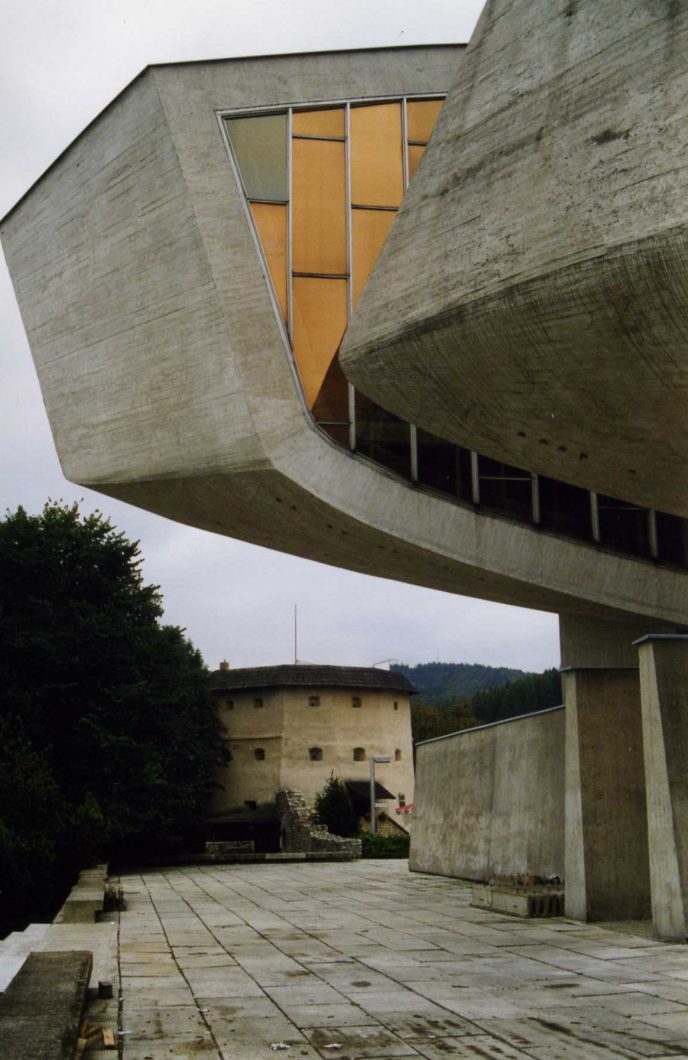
(292,726)
(186,271)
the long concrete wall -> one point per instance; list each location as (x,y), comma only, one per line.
(490,801)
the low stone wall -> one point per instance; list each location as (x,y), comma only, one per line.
(490,801)
(85,898)
(300,832)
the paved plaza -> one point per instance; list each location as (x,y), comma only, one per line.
(364,959)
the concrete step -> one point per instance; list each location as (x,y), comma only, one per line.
(41,1009)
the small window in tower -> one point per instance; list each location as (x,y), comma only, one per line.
(359,754)
(396,705)
(259,754)
(315,754)
(402,799)
(258,702)
(314,701)
(397,755)
(229,704)
(250,804)
(226,755)
(355,701)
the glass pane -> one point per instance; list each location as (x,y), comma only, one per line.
(260,148)
(672,539)
(369,230)
(421,116)
(505,488)
(565,508)
(623,526)
(444,466)
(376,160)
(382,436)
(331,406)
(320,311)
(318,206)
(415,153)
(318,122)
(271,222)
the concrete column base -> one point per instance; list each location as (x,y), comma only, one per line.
(664,689)
(607,864)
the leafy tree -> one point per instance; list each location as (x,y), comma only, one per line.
(440,683)
(524,696)
(333,808)
(429,721)
(113,705)
(33,815)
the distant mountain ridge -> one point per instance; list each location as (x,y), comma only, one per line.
(439,682)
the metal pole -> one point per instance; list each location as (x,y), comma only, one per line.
(372,795)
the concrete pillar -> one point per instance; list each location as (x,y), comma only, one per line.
(606,853)
(664,688)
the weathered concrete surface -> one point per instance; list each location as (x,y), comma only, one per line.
(531,301)
(227,962)
(165,373)
(41,1008)
(607,867)
(490,801)
(85,898)
(99,939)
(664,685)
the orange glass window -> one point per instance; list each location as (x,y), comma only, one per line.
(271,222)
(318,122)
(320,317)
(421,116)
(318,206)
(415,153)
(376,155)
(369,230)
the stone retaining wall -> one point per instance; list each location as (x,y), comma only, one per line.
(299,830)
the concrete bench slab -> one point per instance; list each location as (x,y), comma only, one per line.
(41,1008)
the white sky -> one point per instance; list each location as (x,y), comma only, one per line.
(62,61)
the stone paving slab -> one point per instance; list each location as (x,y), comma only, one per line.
(363,959)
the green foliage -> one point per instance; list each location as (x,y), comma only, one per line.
(441,683)
(112,705)
(528,694)
(429,721)
(334,810)
(33,819)
(384,846)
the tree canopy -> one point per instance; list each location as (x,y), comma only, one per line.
(333,808)
(113,734)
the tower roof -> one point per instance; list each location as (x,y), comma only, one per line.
(308,676)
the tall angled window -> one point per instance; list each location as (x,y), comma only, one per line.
(323,185)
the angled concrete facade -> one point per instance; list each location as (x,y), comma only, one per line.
(164,370)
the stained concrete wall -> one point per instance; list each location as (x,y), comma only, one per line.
(607,866)
(490,801)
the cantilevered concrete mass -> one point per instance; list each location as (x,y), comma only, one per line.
(172,382)
(532,301)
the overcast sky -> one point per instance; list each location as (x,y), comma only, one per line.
(61,61)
